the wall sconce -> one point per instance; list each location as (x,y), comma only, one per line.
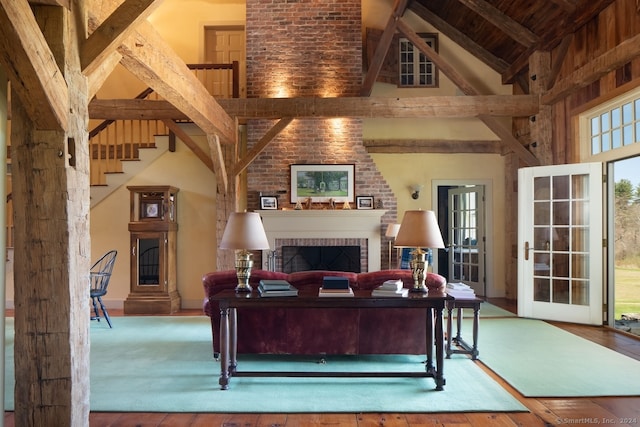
(415,191)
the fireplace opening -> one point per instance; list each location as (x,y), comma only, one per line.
(333,258)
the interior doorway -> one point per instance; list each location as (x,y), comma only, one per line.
(461,212)
(223,45)
(624,253)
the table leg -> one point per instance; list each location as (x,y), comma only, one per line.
(439,337)
(449,322)
(224,348)
(429,340)
(233,341)
(476,321)
(459,325)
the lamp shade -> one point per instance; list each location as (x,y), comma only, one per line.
(392,230)
(419,229)
(244,230)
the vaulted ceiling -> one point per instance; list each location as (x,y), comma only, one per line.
(504,33)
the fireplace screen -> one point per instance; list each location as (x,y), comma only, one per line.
(333,258)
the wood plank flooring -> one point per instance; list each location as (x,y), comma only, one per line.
(618,411)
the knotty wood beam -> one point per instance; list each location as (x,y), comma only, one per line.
(507,25)
(101,73)
(63,3)
(189,142)
(598,67)
(561,53)
(379,107)
(31,66)
(383,47)
(467,88)
(459,37)
(113,31)
(261,145)
(149,58)
(402,146)
(217,156)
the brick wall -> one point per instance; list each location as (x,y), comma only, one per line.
(308,48)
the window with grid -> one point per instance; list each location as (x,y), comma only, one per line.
(616,126)
(415,69)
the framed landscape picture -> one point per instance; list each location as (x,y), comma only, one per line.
(268,202)
(322,183)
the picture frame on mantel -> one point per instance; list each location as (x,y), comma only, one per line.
(321,183)
(268,202)
(364,202)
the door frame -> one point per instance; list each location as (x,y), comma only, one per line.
(490,288)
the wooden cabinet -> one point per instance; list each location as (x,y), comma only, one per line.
(153,229)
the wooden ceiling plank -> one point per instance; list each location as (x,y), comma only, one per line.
(507,25)
(383,47)
(467,88)
(260,146)
(113,31)
(149,58)
(568,5)
(598,67)
(354,107)
(31,66)
(459,37)
(218,162)
(190,143)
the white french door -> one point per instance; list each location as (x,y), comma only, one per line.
(560,249)
(467,237)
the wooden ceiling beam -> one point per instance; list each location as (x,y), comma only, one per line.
(63,3)
(407,146)
(383,47)
(32,67)
(595,69)
(105,39)
(149,58)
(467,88)
(375,107)
(190,143)
(459,37)
(260,146)
(507,25)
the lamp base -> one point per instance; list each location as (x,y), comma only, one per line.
(418,266)
(244,263)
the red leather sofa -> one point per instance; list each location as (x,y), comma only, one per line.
(327,331)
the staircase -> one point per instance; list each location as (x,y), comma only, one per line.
(120,149)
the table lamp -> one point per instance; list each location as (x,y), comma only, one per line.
(244,232)
(419,229)
(391,233)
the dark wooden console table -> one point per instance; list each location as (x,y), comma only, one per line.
(229,301)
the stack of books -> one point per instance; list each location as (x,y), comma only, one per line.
(276,288)
(390,288)
(334,286)
(460,291)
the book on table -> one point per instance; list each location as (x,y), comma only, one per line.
(460,291)
(276,288)
(390,288)
(322,292)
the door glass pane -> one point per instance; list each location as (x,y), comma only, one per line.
(542,290)
(560,291)
(561,187)
(580,292)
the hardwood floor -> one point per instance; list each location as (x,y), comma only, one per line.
(618,411)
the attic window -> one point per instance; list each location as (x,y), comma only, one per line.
(414,69)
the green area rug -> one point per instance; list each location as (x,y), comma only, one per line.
(165,364)
(487,310)
(541,360)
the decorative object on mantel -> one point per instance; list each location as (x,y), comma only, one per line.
(346,205)
(419,229)
(298,205)
(244,232)
(308,203)
(269,202)
(332,203)
(322,182)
